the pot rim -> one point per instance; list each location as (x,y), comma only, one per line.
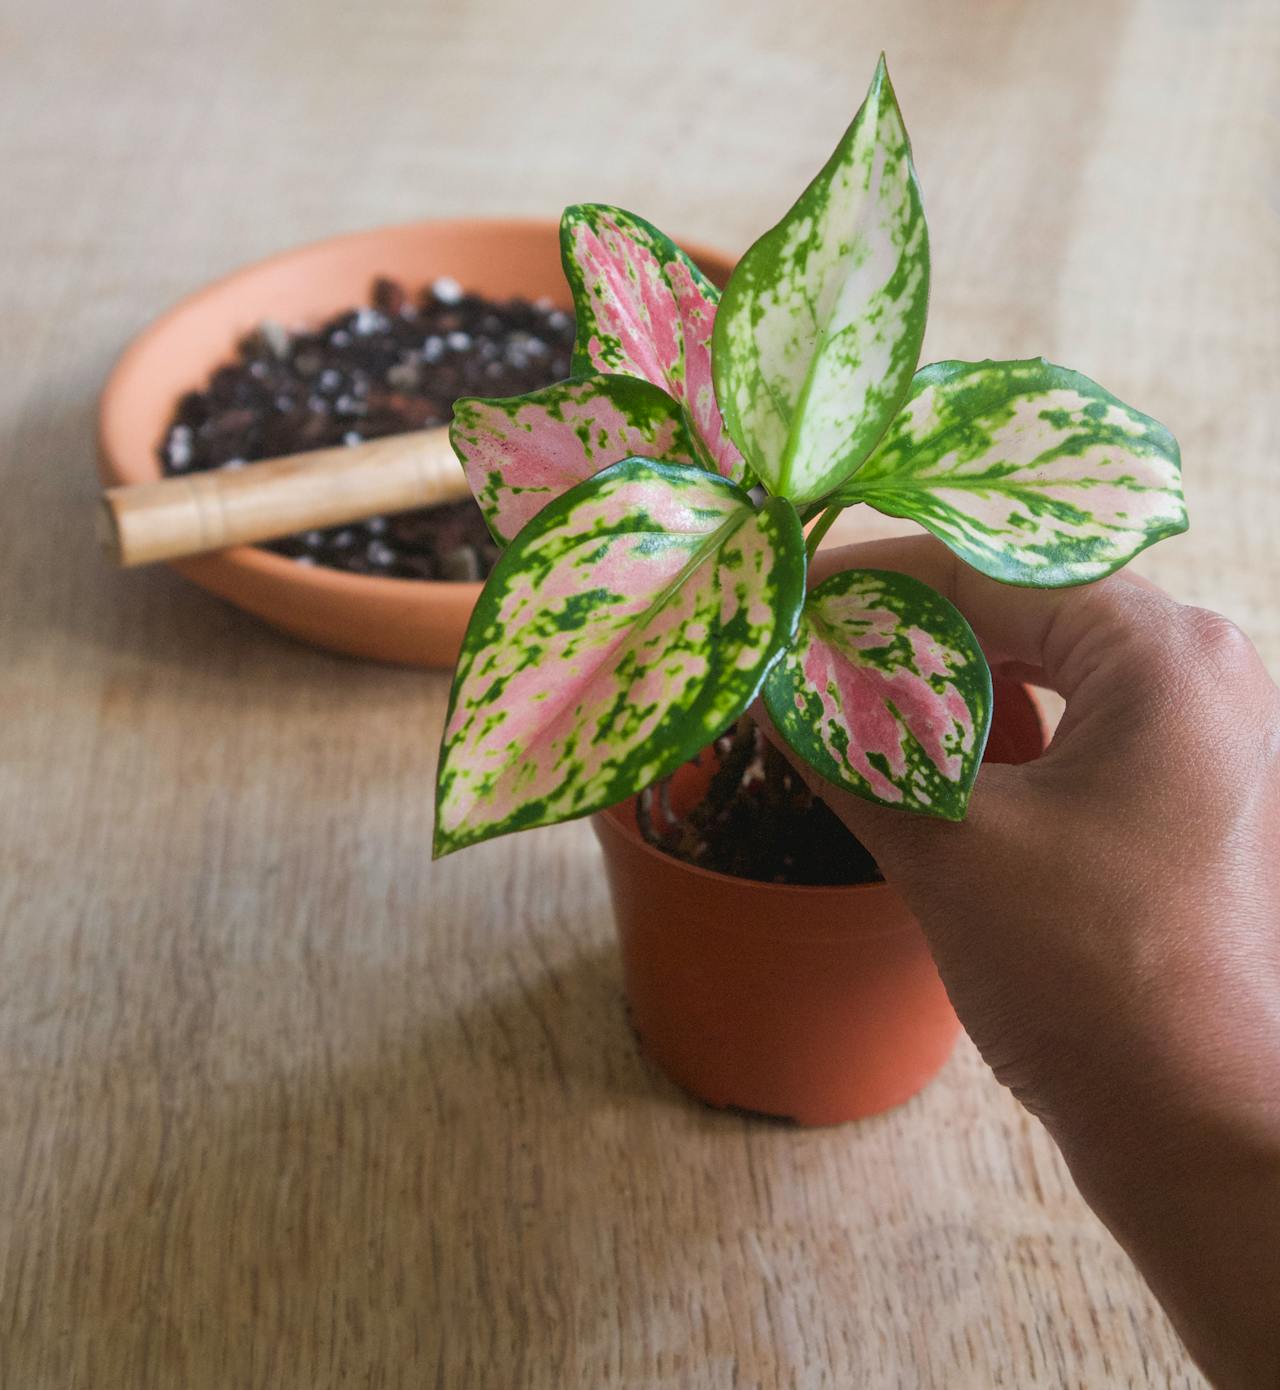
(812,913)
(252,559)
(620,820)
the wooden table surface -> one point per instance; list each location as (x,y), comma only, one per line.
(282,1103)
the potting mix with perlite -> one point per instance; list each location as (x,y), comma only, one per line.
(758,820)
(395,364)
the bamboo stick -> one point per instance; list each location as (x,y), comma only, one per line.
(182,516)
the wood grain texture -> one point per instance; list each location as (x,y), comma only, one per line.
(281,1103)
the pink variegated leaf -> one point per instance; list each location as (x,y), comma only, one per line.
(623,629)
(523,452)
(885,692)
(645,310)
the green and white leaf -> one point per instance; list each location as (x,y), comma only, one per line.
(1031,473)
(521,452)
(885,692)
(627,625)
(819,330)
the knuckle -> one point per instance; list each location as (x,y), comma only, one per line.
(1220,649)
(1122,628)
(1216,632)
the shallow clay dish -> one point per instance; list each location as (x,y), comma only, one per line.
(413,622)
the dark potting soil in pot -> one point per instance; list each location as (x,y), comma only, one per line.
(393,365)
(757,820)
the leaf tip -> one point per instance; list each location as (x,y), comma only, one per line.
(462,408)
(446,842)
(881,85)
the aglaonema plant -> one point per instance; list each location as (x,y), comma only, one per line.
(652,509)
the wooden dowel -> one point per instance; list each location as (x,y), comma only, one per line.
(190,515)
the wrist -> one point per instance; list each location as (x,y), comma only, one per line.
(1185,1173)
(1199,1214)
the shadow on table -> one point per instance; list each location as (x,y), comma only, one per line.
(77,601)
(483,1201)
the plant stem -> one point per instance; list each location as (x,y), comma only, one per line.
(821,527)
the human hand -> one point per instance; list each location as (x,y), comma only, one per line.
(1107,923)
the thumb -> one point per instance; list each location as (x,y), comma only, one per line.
(1078,641)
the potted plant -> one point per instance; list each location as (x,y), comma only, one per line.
(653,510)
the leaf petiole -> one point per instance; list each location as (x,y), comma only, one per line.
(823,525)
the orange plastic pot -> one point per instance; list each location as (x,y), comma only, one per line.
(415,622)
(816,1004)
